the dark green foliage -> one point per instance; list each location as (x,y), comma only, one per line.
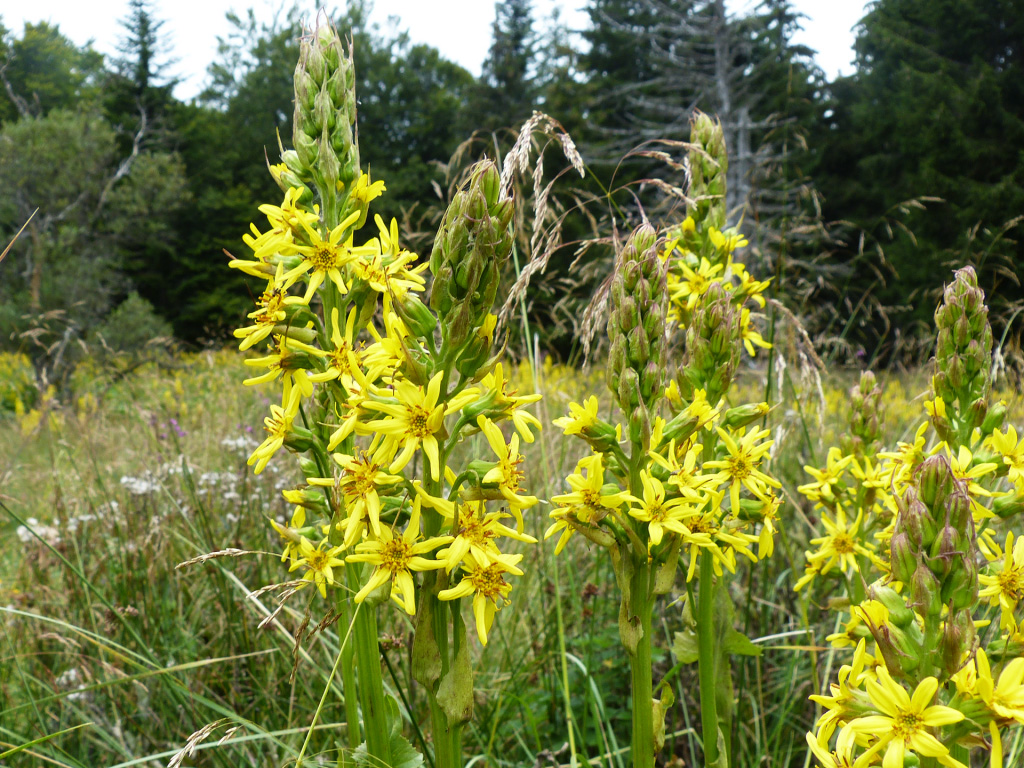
(935,108)
(46,71)
(507,91)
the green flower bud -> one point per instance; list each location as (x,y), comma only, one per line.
(742,415)
(899,614)
(414,313)
(936,480)
(309,467)
(712,347)
(926,591)
(709,164)
(963,353)
(903,557)
(1008,506)
(957,639)
(960,588)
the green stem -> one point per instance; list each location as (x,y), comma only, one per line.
(706,660)
(371,683)
(641,599)
(348,676)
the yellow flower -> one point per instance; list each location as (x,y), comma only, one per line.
(904,460)
(684,474)
(824,479)
(475,530)
(395,558)
(902,723)
(325,258)
(1012,451)
(842,693)
(701,410)
(290,216)
(828,759)
(726,538)
(1006,697)
(1005,587)
(364,191)
(320,562)
(696,282)
(290,359)
(269,312)
(739,468)
(840,545)
(343,361)
(726,243)
(580,417)
(587,504)
(360,478)
(412,419)
(509,404)
(664,515)
(277,427)
(487,585)
(506,474)
(750,335)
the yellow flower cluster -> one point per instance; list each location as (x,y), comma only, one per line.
(935,599)
(695,263)
(377,410)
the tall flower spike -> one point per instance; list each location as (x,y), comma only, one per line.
(636,329)
(963,357)
(470,249)
(865,411)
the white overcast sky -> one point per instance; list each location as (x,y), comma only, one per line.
(460,29)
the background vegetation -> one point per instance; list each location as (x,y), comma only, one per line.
(120,458)
(863,190)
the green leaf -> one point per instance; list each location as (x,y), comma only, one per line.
(686,648)
(403,754)
(738,644)
(455,693)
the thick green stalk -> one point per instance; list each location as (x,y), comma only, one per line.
(706,660)
(641,606)
(371,683)
(447,740)
(348,676)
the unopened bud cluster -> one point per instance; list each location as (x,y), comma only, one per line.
(933,553)
(865,411)
(709,163)
(472,246)
(963,356)
(636,330)
(712,347)
(323,131)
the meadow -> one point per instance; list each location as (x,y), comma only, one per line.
(115,656)
(389,531)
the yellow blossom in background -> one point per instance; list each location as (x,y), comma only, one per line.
(1012,452)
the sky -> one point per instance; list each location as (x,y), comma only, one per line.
(460,29)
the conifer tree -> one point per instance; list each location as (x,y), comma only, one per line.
(508,91)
